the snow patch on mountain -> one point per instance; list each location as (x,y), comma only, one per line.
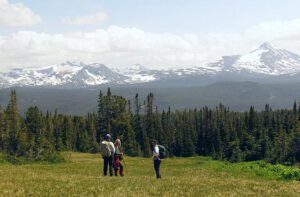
(268,60)
(67,73)
(138,74)
(252,62)
(264,61)
(94,80)
(140,78)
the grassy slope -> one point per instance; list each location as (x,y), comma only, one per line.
(197,176)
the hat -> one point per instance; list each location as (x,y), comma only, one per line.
(107,137)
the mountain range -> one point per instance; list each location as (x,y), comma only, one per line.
(265,64)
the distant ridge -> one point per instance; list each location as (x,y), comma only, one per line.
(266,61)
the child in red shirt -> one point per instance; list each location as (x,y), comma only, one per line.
(118,157)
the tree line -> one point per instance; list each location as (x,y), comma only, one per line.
(271,135)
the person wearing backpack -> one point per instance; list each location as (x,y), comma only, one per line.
(107,149)
(156,158)
(118,157)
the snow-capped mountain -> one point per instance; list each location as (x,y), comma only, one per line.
(138,74)
(269,61)
(266,61)
(65,74)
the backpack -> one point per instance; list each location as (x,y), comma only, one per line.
(104,148)
(162,151)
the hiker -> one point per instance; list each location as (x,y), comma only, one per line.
(118,157)
(107,150)
(156,158)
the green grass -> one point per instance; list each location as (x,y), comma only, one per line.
(81,175)
(257,169)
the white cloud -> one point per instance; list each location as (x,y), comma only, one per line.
(86,20)
(115,46)
(274,29)
(118,47)
(17,15)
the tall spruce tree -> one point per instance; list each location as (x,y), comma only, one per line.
(2,130)
(68,137)
(295,145)
(281,147)
(92,132)
(35,125)
(49,128)
(138,127)
(58,131)
(150,117)
(101,122)
(82,140)
(16,139)
(170,132)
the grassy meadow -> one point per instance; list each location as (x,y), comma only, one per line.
(81,175)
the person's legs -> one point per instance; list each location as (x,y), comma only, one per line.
(159,162)
(105,163)
(116,171)
(157,167)
(110,162)
(121,170)
(117,164)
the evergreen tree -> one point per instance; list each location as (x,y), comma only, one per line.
(35,125)
(295,111)
(121,126)
(236,154)
(130,145)
(92,132)
(49,128)
(101,122)
(82,138)
(281,148)
(58,133)
(159,132)
(16,140)
(178,135)
(68,137)
(40,135)
(137,124)
(188,148)
(109,110)
(295,146)
(299,112)
(150,122)
(252,119)
(2,131)
(264,146)
(170,132)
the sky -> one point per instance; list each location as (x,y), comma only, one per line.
(154,33)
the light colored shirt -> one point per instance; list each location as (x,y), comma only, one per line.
(156,151)
(111,147)
(117,151)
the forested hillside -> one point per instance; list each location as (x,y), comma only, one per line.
(272,135)
(238,96)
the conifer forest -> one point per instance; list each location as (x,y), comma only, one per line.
(271,135)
